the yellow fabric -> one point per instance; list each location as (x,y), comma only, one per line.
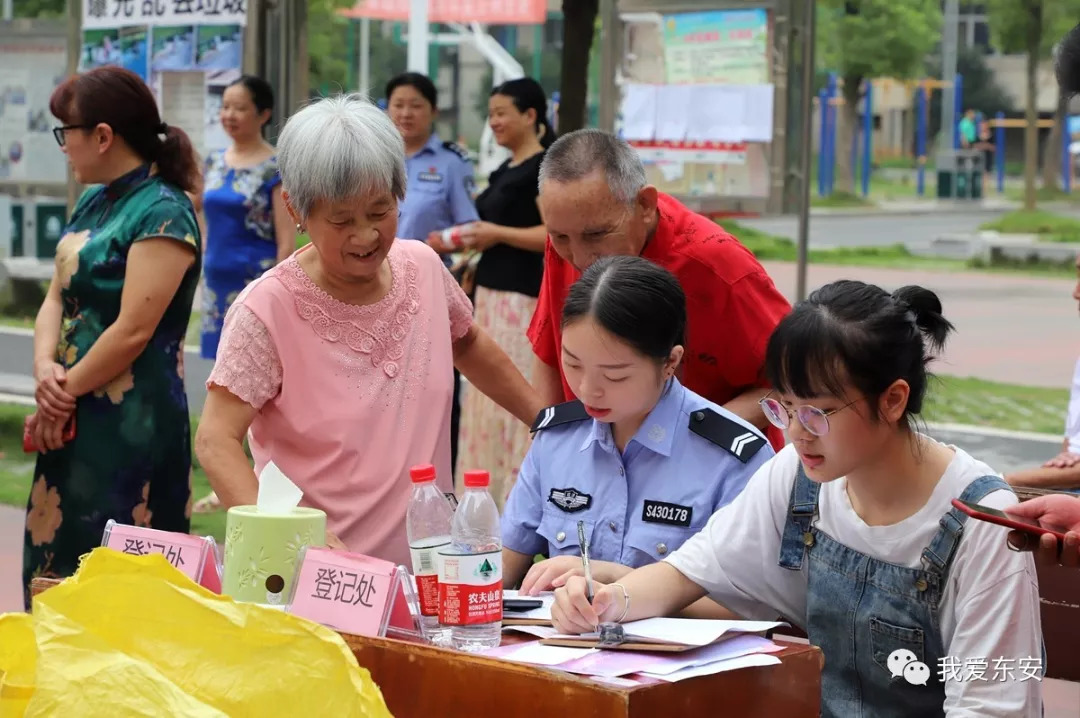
(131,635)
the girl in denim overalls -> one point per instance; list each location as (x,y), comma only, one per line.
(850,532)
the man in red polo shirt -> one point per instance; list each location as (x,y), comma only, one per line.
(596,202)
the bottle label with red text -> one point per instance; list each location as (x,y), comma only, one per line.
(470,588)
(425,567)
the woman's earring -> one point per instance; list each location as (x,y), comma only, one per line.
(299,229)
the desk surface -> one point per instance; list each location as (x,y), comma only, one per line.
(422,681)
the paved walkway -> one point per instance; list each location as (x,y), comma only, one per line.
(1016,329)
(11,541)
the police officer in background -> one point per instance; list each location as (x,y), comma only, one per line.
(439,188)
(639,458)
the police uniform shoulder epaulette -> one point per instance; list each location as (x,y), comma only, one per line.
(457,150)
(560,414)
(725,432)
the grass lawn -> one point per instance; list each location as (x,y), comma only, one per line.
(841,200)
(192,339)
(17,469)
(1049,226)
(771,247)
(1043,194)
(957,400)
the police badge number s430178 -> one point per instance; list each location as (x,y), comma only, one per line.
(570,500)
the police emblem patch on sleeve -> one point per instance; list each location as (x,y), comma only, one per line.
(725,432)
(559,414)
(570,500)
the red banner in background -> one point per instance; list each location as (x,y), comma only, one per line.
(488,12)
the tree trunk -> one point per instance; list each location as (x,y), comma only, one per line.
(579,24)
(1051,156)
(1031,112)
(845,129)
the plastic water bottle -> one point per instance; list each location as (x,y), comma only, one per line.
(427,523)
(470,570)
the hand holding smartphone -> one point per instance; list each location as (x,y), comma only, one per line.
(996,516)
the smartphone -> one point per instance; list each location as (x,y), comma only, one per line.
(517,605)
(996,516)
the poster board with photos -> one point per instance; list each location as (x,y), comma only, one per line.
(187,51)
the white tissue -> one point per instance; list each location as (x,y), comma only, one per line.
(277,494)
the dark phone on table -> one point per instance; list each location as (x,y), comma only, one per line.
(517,605)
(996,516)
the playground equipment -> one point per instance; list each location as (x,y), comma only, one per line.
(828,103)
(959,171)
(1000,123)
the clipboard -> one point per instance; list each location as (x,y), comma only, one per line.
(671,636)
(509,620)
(613,637)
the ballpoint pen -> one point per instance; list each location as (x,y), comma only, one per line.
(585,559)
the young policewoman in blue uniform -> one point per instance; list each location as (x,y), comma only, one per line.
(439,188)
(640,459)
(850,531)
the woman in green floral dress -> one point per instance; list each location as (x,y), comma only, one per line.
(108,340)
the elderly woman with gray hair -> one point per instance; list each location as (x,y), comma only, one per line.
(338,362)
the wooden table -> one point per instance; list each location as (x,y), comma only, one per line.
(421,681)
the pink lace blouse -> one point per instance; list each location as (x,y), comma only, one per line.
(349,397)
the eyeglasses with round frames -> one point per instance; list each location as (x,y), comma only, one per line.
(813,419)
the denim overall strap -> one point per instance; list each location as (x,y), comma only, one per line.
(801,512)
(938,556)
(871,617)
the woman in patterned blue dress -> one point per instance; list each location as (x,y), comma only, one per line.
(247,228)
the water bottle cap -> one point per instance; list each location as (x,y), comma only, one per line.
(422,473)
(477,479)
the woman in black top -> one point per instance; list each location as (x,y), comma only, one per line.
(511,237)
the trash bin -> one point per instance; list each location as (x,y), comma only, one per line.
(960,174)
(18,228)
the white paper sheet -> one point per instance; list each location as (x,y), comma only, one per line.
(718,115)
(672,112)
(758,117)
(537,654)
(749,661)
(538,631)
(543,613)
(638,111)
(623,663)
(687,631)
(734,647)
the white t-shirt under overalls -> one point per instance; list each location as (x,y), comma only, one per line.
(989,609)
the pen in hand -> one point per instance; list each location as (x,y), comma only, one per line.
(585,560)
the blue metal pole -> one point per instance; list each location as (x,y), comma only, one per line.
(920,137)
(823,109)
(868,137)
(999,152)
(855,152)
(830,169)
(958,98)
(1066,158)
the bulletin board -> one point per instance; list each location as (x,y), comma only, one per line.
(697,100)
(187,51)
(32,64)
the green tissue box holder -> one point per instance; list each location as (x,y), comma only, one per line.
(262,551)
